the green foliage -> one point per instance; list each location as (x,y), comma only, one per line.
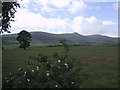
(8,13)
(63,42)
(24,39)
(55,55)
(44,73)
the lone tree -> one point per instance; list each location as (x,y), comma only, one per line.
(63,42)
(24,39)
(8,14)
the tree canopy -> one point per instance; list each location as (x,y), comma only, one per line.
(8,13)
(63,42)
(24,39)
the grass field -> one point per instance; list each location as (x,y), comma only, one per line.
(99,62)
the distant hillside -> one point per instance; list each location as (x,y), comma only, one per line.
(72,38)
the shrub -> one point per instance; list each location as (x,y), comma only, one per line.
(45,73)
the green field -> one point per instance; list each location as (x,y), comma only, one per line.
(99,62)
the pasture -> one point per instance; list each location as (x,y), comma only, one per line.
(99,62)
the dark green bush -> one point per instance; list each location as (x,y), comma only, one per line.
(45,73)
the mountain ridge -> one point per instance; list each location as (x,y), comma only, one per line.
(72,38)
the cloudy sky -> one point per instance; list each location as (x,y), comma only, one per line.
(67,16)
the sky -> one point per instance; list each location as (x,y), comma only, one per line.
(67,16)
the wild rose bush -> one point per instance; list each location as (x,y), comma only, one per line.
(46,72)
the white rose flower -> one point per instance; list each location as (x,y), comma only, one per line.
(59,61)
(28,80)
(33,71)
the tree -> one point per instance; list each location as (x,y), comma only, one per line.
(24,39)
(65,45)
(8,13)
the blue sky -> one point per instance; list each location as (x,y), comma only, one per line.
(67,16)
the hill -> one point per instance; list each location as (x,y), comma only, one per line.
(72,38)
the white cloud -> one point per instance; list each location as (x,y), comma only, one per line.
(86,25)
(76,6)
(55,3)
(47,9)
(59,3)
(108,22)
(68,5)
(51,7)
(32,21)
(92,25)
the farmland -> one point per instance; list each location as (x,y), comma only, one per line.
(100,63)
